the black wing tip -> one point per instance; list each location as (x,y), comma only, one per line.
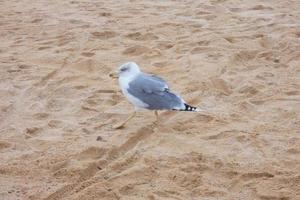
(189,108)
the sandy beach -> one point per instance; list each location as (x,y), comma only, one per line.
(238,60)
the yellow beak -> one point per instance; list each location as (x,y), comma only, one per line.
(114,75)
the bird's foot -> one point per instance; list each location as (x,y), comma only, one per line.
(156,123)
(121,125)
(118,126)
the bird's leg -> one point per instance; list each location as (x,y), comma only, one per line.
(121,125)
(156,115)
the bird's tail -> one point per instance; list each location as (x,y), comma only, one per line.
(190,108)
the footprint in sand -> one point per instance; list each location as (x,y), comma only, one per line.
(4,145)
(104,35)
(24,66)
(91,153)
(222,86)
(32,132)
(244,56)
(261,7)
(44,47)
(55,105)
(88,54)
(293,93)
(36,20)
(41,116)
(55,123)
(161,64)
(255,175)
(231,40)
(164,45)
(136,50)
(141,37)
(105,14)
(248,90)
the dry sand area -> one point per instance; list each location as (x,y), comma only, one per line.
(239,60)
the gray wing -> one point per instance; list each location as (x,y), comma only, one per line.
(152,84)
(157,78)
(154,91)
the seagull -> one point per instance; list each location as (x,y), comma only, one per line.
(147,91)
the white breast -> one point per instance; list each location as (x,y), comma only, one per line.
(124,84)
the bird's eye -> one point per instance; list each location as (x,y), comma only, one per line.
(123,69)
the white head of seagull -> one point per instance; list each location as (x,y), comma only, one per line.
(129,69)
